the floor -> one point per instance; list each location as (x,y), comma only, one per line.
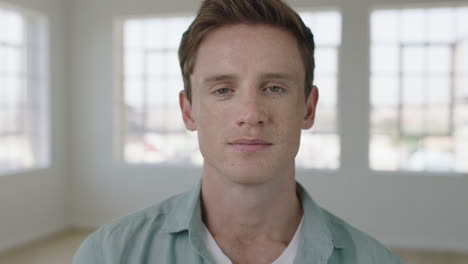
(60,248)
(56,249)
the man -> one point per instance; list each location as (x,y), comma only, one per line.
(248,71)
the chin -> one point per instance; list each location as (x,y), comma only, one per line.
(251,177)
(249,171)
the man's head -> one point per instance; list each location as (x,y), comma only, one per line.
(245,79)
(214,14)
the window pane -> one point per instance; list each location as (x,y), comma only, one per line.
(175,148)
(439,90)
(327,91)
(461,124)
(430,129)
(434,154)
(384,154)
(413,121)
(133,64)
(384,26)
(155,64)
(327,121)
(384,91)
(134,93)
(174,120)
(312,154)
(461,93)
(326,61)
(461,139)
(174,86)
(155,131)
(13,28)
(326,26)
(156,119)
(175,26)
(461,58)
(3,25)
(461,28)
(440,59)
(440,22)
(385,59)
(156,90)
(133,34)
(437,120)
(151,40)
(384,121)
(173,68)
(23,69)
(134,151)
(413,27)
(413,91)
(414,60)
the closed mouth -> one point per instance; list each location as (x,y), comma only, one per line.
(250,142)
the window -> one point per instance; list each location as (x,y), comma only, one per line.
(23,90)
(320,146)
(151,80)
(154,130)
(419,89)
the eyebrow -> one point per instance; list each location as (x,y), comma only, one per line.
(269,75)
(274,75)
(218,77)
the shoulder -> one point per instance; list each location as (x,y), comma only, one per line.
(131,232)
(152,219)
(357,244)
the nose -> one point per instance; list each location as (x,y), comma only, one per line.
(251,110)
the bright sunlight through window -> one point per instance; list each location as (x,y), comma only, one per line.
(419,89)
(23,90)
(320,145)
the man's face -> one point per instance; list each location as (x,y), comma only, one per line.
(248,102)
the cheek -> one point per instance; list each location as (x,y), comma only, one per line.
(286,128)
(289,123)
(291,114)
(211,119)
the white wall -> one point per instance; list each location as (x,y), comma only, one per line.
(400,210)
(32,203)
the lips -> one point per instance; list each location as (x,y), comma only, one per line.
(250,145)
(250,142)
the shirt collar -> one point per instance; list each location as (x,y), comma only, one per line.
(186,212)
(187,216)
(318,234)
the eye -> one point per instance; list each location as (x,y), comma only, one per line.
(222,91)
(275,89)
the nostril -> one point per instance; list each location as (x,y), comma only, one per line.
(249,117)
(259,123)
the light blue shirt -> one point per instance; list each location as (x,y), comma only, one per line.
(172,232)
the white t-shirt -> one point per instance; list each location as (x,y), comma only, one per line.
(287,257)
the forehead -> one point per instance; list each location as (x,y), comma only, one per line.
(247,47)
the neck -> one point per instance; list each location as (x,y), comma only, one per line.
(269,210)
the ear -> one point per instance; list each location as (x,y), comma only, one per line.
(311,106)
(186,109)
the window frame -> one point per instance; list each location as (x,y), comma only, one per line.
(338,47)
(452,76)
(36,108)
(120,116)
